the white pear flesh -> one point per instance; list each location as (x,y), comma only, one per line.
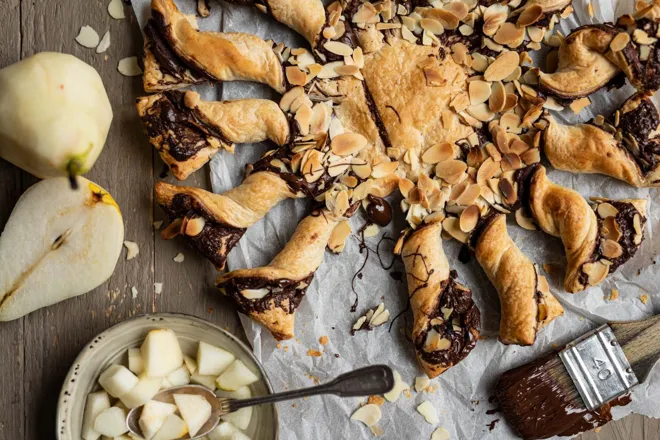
(179,377)
(240,418)
(207,381)
(227,431)
(118,380)
(153,416)
(211,360)
(236,376)
(96,403)
(57,244)
(161,353)
(141,393)
(173,428)
(135,363)
(54,115)
(111,422)
(191,364)
(194,409)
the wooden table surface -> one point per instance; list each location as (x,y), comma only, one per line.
(37,350)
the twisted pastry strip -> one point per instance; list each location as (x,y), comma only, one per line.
(271,294)
(591,252)
(526,302)
(446,321)
(625,147)
(188,132)
(220,56)
(213,223)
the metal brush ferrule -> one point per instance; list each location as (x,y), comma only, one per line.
(598,366)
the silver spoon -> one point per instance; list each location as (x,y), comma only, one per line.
(367,381)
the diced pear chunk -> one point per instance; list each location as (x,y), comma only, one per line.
(236,376)
(240,418)
(111,422)
(161,353)
(146,388)
(118,380)
(194,409)
(96,403)
(207,381)
(173,428)
(179,377)
(227,431)
(153,416)
(191,364)
(135,361)
(211,360)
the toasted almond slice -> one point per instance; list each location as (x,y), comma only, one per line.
(579,104)
(524,221)
(338,48)
(349,181)
(320,119)
(610,249)
(510,162)
(363,171)
(508,193)
(460,102)
(450,171)
(369,414)
(458,8)
(348,143)
(487,170)
(619,42)
(452,227)
(312,169)
(438,153)
(515,75)
(518,146)
(347,70)
(480,112)
(606,210)
(610,229)
(493,152)
(531,156)
(596,272)
(328,71)
(304,117)
(431,25)
(502,67)
(479,62)
(509,34)
(470,195)
(641,37)
(338,236)
(405,186)
(530,15)
(497,98)
(469,218)
(295,76)
(479,92)
(290,96)
(637,226)
(384,169)
(447,18)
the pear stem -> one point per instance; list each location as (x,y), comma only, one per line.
(73,167)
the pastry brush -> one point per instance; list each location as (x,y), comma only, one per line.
(572,390)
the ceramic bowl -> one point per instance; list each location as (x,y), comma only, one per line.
(111,347)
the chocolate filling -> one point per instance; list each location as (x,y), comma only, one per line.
(216,239)
(282,293)
(538,407)
(481,228)
(378,210)
(179,128)
(640,123)
(168,61)
(464,314)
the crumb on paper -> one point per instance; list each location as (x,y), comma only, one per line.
(597,429)
(614,294)
(157,224)
(179,258)
(376,400)
(132,249)
(579,104)
(440,434)
(286,348)
(314,379)
(323,340)
(314,353)
(134,292)
(422,383)
(407,393)
(293,405)
(644,298)
(371,231)
(279,345)
(158,288)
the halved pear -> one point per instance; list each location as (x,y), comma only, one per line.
(57,244)
(236,376)
(240,418)
(194,409)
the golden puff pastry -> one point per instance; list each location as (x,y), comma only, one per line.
(214,223)
(187,131)
(526,302)
(625,146)
(220,56)
(597,240)
(446,320)
(271,294)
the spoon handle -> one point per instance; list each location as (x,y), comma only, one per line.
(376,379)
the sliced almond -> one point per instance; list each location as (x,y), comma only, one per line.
(369,414)
(87,37)
(450,171)
(328,71)
(579,104)
(405,186)
(502,67)
(596,272)
(637,226)
(447,18)
(610,249)
(195,226)
(384,169)
(487,170)
(348,143)
(431,25)
(530,15)
(619,42)
(606,210)
(469,218)
(312,169)
(510,162)
(347,70)
(338,236)
(509,34)
(438,153)
(497,98)
(480,112)
(452,227)
(362,170)
(518,146)
(508,193)
(338,48)
(479,91)
(290,96)
(469,195)
(524,221)
(458,8)
(320,119)
(349,181)
(304,117)
(295,76)
(610,229)
(129,67)
(531,156)
(132,249)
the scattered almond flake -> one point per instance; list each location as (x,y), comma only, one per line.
(429,412)
(371,231)
(88,37)
(422,383)
(614,294)
(644,298)
(399,386)
(407,393)
(376,400)
(116,9)
(376,430)
(158,288)
(323,340)
(104,44)
(132,249)
(129,67)
(368,414)
(179,258)
(134,292)
(157,224)
(579,104)
(440,434)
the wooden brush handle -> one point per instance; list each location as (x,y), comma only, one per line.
(640,341)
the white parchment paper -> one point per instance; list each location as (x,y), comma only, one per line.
(463,391)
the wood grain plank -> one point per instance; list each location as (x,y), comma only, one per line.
(54,336)
(11,350)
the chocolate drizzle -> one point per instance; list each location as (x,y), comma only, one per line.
(537,405)
(378,210)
